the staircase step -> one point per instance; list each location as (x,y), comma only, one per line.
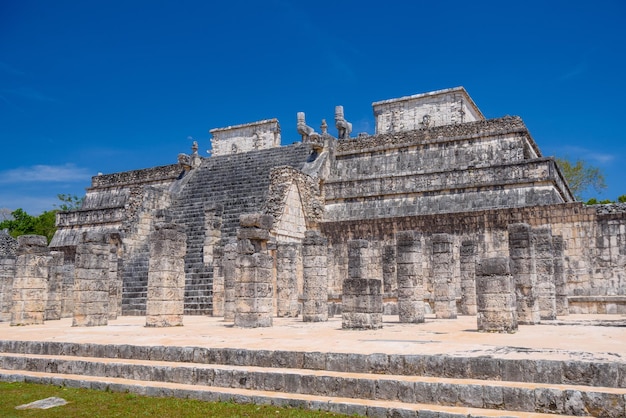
(465,393)
(348,406)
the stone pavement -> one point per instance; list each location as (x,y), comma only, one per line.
(584,337)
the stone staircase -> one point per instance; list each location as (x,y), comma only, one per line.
(378,385)
(228,185)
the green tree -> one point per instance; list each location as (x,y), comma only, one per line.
(581,176)
(25,224)
(69,202)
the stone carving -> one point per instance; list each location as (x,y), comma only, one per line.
(305,130)
(468,277)
(188,162)
(344,128)
(523,268)
(544,267)
(287,254)
(443,277)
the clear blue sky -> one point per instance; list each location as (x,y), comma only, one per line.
(107,86)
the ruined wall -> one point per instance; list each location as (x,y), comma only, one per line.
(420,111)
(247,137)
(594,246)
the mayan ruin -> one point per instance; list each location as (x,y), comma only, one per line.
(440,217)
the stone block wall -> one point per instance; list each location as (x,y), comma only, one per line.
(421,111)
(247,137)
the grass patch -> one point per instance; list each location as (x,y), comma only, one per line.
(95,403)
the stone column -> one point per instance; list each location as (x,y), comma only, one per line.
(495,299)
(522,263)
(544,265)
(287,279)
(253,285)
(560,280)
(410,279)
(91,287)
(443,276)
(315,272)
(30,285)
(54,304)
(468,277)
(7,273)
(390,280)
(115,276)
(218,280)
(165,303)
(229,270)
(362,299)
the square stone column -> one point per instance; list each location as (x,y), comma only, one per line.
(560,280)
(495,296)
(7,274)
(54,305)
(165,302)
(443,276)
(30,285)
(254,292)
(315,271)
(410,278)
(362,299)
(468,277)
(229,271)
(91,280)
(522,263)
(544,264)
(287,279)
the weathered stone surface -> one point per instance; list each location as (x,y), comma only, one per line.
(30,285)
(523,268)
(410,280)
(315,286)
(495,296)
(443,276)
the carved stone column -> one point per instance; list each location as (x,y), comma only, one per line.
(30,285)
(362,299)
(287,279)
(560,280)
(165,303)
(443,276)
(230,272)
(495,296)
(410,279)
(254,292)
(522,262)
(468,277)
(544,265)
(7,274)
(54,304)
(315,272)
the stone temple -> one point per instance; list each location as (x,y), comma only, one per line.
(440,214)
(468,188)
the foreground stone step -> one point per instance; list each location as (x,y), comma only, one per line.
(516,396)
(348,406)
